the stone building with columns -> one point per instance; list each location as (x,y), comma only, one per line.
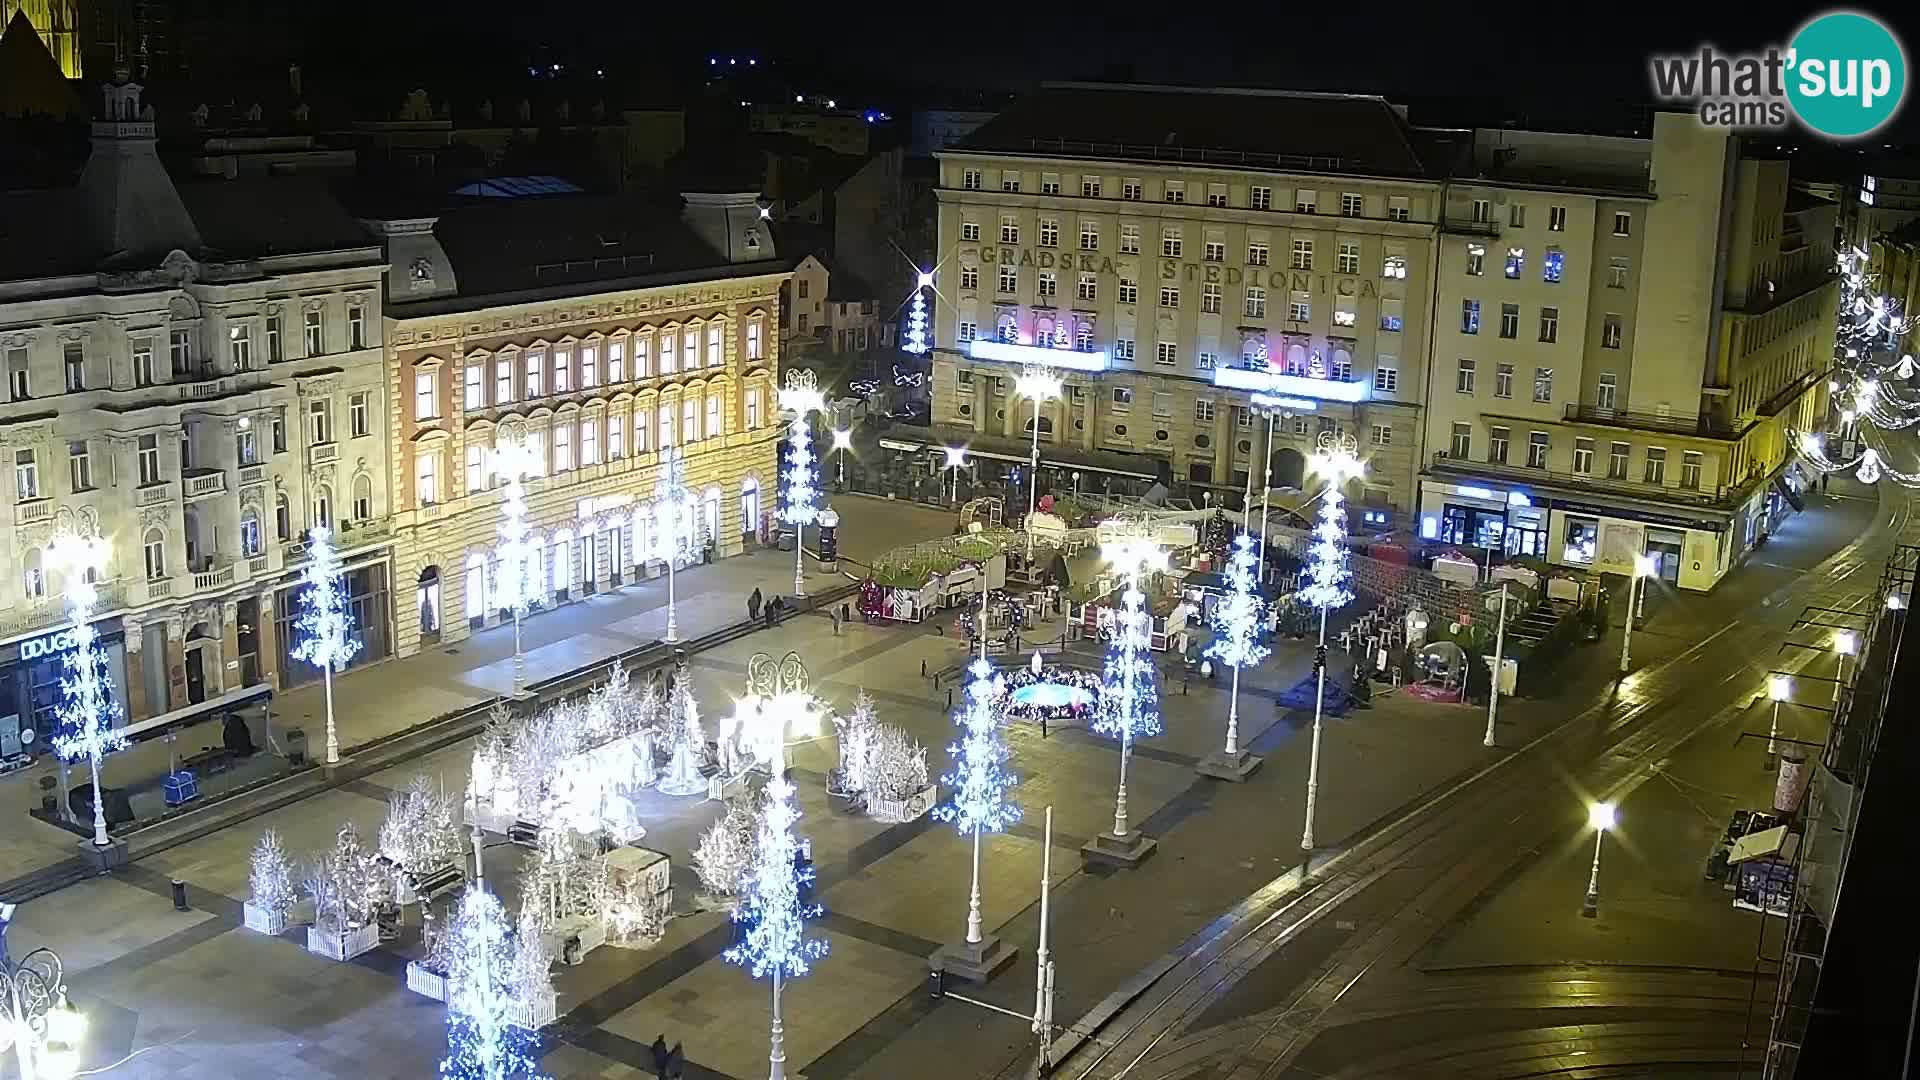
(193,373)
(600,330)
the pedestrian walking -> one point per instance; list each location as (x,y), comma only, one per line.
(846,614)
(772,612)
(753,604)
(835,616)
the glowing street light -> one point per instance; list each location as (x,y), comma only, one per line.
(842,442)
(515,461)
(800,397)
(1601,816)
(1844,645)
(1337,460)
(1126,686)
(956,458)
(43,1029)
(1644,567)
(1038,384)
(1779,688)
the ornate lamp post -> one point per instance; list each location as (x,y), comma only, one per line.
(1338,461)
(800,397)
(1601,816)
(1127,706)
(956,459)
(1038,384)
(515,461)
(676,523)
(326,625)
(43,1029)
(842,442)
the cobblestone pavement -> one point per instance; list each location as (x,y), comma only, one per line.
(191,994)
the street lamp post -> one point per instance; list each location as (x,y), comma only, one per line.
(1038,384)
(675,521)
(800,397)
(88,713)
(514,461)
(956,457)
(1336,459)
(1779,688)
(1266,486)
(1844,645)
(1643,567)
(1127,707)
(842,442)
(43,1028)
(1499,660)
(1601,816)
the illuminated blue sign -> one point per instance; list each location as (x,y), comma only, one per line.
(1009,353)
(1274,382)
(50,645)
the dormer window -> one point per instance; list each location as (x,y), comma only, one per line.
(753,239)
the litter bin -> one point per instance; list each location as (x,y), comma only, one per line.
(296,747)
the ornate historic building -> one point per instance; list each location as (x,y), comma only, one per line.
(599,331)
(193,373)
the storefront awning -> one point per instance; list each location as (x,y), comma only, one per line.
(1766,842)
(193,714)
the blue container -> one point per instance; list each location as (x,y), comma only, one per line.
(181,787)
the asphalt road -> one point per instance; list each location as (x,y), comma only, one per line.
(1317,975)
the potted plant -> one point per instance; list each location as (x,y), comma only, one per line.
(427,976)
(347,886)
(724,853)
(897,787)
(419,837)
(270,881)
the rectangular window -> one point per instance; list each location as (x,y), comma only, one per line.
(1303,201)
(1163,404)
(1343,311)
(1503,380)
(970,180)
(1386,378)
(1260,198)
(1089,236)
(1009,181)
(1391,317)
(1469,316)
(1089,288)
(1049,233)
(1009,278)
(1603,397)
(1256,254)
(1210,299)
(357,414)
(1482,210)
(143,369)
(752,397)
(968,330)
(690,420)
(474,379)
(279,424)
(1398,208)
(74,361)
(1009,229)
(616,438)
(1583,456)
(1556,219)
(1622,223)
(1549,324)
(148,457)
(589,367)
(590,442)
(1382,434)
(536,372)
(1169,298)
(1303,254)
(1516,262)
(1256,303)
(276,351)
(1349,258)
(1049,184)
(1610,331)
(1517,215)
(1616,273)
(1509,320)
(1202,411)
(1175,191)
(713,429)
(1462,447)
(1123,349)
(80,465)
(476,468)
(1122,398)
(1463,377)
(246,447)
(26,475)
(425,405)
(356,326)
(563,369)
(1132,190)
(1543,385)
(1217,195)
(180,351)
(617,354)
(1129,291)
(1537,446)
(1165,354)
(643,357)
(1089,187)
(239,348)
(1553,266)
(1690,469)
(1171,242)
(1497,439)
(1129,239)
(1299,306)
(1617,461)
(969,277)
(320,421)
(642,424)
(1351,204)
(1206,361)
(1476,260)
(426,477)
(1049,285)
(969,232)
(1214,251)
(562,447)
(502,382)
(314,333)
(1656,472)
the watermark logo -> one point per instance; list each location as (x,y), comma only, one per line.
(1844,75)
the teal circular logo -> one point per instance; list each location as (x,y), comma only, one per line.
(1846,74)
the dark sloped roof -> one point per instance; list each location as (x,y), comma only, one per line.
(30,81)
(260,216)
(44,234)
(512,245)
(1307,132)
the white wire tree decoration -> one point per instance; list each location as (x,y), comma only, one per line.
(776,944)
(325,626)
(801,398)
(483,1043)
(519,584)
(673,536)
(1128,707)
(88,715)
(980,781)
(1328,580)
(915,340)
(1237,621)
(686,738)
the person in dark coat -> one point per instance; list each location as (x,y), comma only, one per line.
(753,604)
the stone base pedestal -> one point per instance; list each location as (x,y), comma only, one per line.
(1126,851)
(1232,767)
(973,962)
(104,859)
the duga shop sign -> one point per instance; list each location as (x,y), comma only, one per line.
(50,645)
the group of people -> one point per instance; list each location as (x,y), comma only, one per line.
(772,611)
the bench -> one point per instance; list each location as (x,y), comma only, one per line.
(439,880)
(524,833)
(209,761)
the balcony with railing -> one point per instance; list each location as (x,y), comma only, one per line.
(1467,225)
(349,536)
(213,575)
(159,588)
(32,512)
(52,611)
(154,494)
(252,474)
(322,453)
(1719,498)
(1703,426)
(201,483)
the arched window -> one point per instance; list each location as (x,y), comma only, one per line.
(1296,360)
(363,498)
(476,586)
(33,576)
(1009,329)
(154,548)
(250,543)
(323,506)
(282,517)
(1046,426)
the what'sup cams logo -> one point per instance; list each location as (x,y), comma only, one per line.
(1844,75)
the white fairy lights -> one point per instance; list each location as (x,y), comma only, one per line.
(325,625)
(1237,618)
(1128,706)
(800,397)
(87,716)
(980,778)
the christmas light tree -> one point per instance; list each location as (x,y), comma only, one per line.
(686,739)
(270,883)
(1128,706)
(979,781)
(673,537)
(519,580)
(775,943)
(482,1041)
(1237,621)
(325,625)
(916,336)
(1328,582)
(801,398)
(88,716)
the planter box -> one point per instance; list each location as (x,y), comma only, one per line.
(342,945)
(895,811)
(533,1015)
(426,983)
(591,932)
(264,921)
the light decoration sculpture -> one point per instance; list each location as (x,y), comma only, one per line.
(800,397)
(483,1043)
(980,778)
(36,1020)
(675,518)
(325,626)
(1038,384)
(518,580)
(915,341)
(775,943)
(1237,619)
(1336,459)
(1128,708)
(87,715)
